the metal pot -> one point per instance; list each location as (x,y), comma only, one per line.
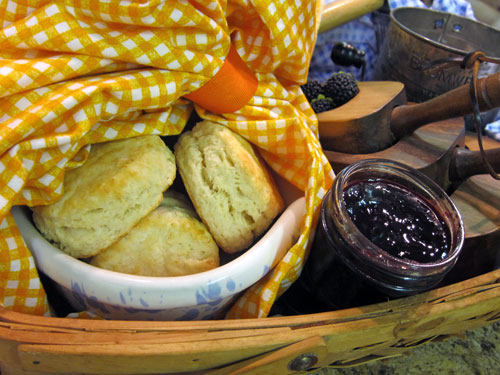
(419,37)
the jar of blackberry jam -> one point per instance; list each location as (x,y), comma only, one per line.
(385,231)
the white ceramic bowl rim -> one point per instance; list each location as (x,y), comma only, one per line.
(110,286)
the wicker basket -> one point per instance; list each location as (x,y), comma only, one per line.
(278,345)
(32,345)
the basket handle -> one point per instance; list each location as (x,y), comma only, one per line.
(295,358)
(342,11)
(53,358)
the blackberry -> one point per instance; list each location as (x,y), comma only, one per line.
(322,104)
(341,87)
(312,89)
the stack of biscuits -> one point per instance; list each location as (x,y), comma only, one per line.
(120,210)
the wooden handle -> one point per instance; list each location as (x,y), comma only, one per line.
(408,118)
(466,163)
(342,11)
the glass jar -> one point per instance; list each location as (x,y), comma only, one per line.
(346,269)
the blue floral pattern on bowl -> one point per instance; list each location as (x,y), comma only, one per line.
(210,305)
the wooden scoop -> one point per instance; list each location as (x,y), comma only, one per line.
(437,150)
(379,115)
(466,163)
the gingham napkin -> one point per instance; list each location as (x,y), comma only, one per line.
(75,73)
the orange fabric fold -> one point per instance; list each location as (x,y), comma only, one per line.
(230,89)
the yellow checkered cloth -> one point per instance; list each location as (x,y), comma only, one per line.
(74,73)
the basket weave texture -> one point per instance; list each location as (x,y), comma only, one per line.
(39,345)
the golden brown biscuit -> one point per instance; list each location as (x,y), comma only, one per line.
(228,184)
(120,183)
(170,241)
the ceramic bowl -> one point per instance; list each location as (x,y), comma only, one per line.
(205,295)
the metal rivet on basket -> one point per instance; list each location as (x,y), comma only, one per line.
(303,362)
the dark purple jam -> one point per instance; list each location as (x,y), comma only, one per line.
(397,221)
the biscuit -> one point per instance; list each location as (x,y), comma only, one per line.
(120,183)
(170,241)
(228,183)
